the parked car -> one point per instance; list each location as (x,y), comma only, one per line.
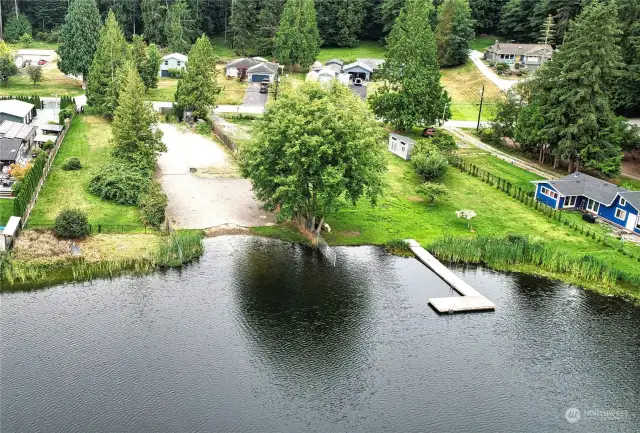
(42,62)
(264,86)
(358,82)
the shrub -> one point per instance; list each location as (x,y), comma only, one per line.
(153,205)
(501,68)
(48,145)
(398,247)
(16,27)
(175,72)
(18,171)
(119,182)
(72,163)
(66,113)
(444,142)
(432,190)
(203,128)
(430,165)
(16,187)
(71,224)
(26,40)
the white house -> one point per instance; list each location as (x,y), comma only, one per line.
(172,61)
(401,145)
(326,75)
(256,69)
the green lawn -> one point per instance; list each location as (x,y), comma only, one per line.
(365,50)
(35,45)
(88,139)
(232,91)
(6,210)
(516,175)
(481,43)
(165,91)
(624,180)
(54,82)
(464,85)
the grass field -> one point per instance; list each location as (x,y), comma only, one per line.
(221,50)
(232,93)
(516,175)
(464,84)
(165,91)
(481,43)
(88,139)
(364,50)
(6,210)
(35,45)
(53,82)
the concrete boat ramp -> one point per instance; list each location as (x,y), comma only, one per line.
(470,299)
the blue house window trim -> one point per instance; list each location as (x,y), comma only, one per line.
(546,191)
(570,201)
(622,213)
(623,201)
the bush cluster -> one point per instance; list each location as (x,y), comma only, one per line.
(72,163)
(431,156)
(119,182)
(203,128)
(16,27)
(153,204)
(71,224)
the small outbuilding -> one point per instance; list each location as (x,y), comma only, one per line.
(358,69)
(401,145)
(8,234)
(52,129)
(10,129)
(172,61)
(17,111)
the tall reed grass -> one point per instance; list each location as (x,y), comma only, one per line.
(515,249)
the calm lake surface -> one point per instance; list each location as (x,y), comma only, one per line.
(263,336)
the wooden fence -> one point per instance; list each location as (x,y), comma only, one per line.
(45,173)
(226,140)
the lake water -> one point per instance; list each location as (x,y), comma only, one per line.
(263,336)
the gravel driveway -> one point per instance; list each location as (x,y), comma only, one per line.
(253,97)
(199,203)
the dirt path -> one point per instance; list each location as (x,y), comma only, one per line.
(203,185)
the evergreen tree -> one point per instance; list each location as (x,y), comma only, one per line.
(297,39)
(411,94)
(372,28)
(8,67)
(572,92)
(198,11)
(340,22)
(563,11)
(147,61)
(198,86)
(627,90)
(548,31)
(389,11)
(244,26)
(486,14)
(179,27)
(153,18)
(17,25)
(136,139)
(45,14)
(112,53)
(268,21)
(519,20)
(79,38)
(454,32)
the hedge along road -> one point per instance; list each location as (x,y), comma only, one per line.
(202,183)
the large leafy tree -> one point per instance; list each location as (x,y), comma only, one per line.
(411,94)
(8,67)
(313,147)
(340,22)
(572,93)
(153,18)
(454,32)
(136,139)
(267,26)
(297,39)
(79,38)
(179,27)
(198,86)
(244,25)
(111,54)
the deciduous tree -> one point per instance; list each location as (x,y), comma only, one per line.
(35,74)
(8,67)
(315,146)
(198,86)
(297,39)
(454,32)
(411,94)
(79,38)
(17,25)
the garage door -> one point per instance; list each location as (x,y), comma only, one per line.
(165,73)
(256,78)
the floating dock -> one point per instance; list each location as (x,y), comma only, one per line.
(470,299)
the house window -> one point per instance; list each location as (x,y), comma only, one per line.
(178,62)
(593,206)
(622,201)
(166,63)
(621,214)
(548,193)
(638,223)
(570,201)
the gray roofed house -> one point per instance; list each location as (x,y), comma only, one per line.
(359,69)
(256,68)
(17,111)
(579,191)
(530,56)
(263,68)
(374,64)
(10,150)
(334,61)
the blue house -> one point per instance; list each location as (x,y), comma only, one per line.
(579,191)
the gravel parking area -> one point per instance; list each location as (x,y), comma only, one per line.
(198,202)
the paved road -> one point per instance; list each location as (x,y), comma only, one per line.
(200,203)
(501,83)
(253,97)
(464,124)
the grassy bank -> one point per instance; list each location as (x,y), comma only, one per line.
(464,84)
(88,138)
(53,82)
(6,210)
(40,259)
(364,50)
(232,90)
(516,175)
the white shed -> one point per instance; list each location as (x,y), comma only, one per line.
(172,61)
(9,233)
(401,145)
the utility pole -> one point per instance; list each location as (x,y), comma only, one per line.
(480,111)
(275,96)
(444,111)
(1,29)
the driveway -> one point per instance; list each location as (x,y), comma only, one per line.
(215,194)
(360,91)
(253,97)
(501,83)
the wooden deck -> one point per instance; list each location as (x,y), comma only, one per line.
(470,299)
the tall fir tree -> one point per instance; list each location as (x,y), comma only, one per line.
(198,87)
(411,94)
(627,90)
(548,31)
(127,13)
(179,27)
(563,11)
(147,60)
(572,92)
(154,14)
(244,26)
(454,32)
(267,26)
(389,11)
(79,38)
(297,39)
(111,54)
(519,21)
(340,22)
(136,140)
(486,14)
